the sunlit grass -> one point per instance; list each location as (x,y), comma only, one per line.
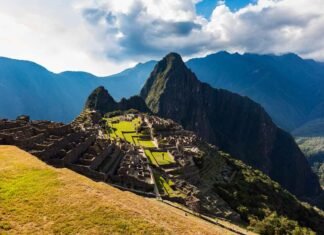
(165,186)
(150,157)
(39,199)
(124,129)
(146,143)
(163,158)
(36,198)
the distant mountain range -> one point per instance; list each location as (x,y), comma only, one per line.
(290,88)
(234,123)
(29,88)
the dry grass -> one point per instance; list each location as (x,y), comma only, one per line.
(38,199)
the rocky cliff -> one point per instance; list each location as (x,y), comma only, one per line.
(100,100)
(234,123)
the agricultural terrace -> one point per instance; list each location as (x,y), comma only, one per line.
(159,158)
(125,128)
(165,186)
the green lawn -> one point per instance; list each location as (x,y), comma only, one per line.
(127,130)
(165,186)
(146,143)
(159,158)
(124,129)
(162,158)
(150,157)
(131,137)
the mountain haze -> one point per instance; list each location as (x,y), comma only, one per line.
(28,88)
(290,88)
(234,123)
(287,86)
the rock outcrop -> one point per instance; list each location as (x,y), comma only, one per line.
(100,100)
(236,124)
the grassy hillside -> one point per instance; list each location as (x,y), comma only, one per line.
(39,199)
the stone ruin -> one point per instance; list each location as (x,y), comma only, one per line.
(182,146)
(83,147)
(79,148)
(134,172)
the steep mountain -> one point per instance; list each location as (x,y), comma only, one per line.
(29,88)
(288,87)
(100,100)
(236,124)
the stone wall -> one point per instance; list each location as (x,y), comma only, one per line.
(73,155)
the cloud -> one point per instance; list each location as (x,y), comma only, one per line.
(143,29)
(105,36)
(270,27)
(54,34)
(146,29)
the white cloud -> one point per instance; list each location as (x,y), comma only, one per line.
(272,26)
(54,34)
(105,36)
(151,28)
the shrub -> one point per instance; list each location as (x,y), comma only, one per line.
(278,225)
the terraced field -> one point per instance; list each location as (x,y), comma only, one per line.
(124,129)
(165,187)
(159,158)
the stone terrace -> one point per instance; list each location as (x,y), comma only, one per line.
(80,148)
(85,147)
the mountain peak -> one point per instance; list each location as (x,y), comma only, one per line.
(169,73)
(171,61)
(234,123)
(101,100)
(173,57)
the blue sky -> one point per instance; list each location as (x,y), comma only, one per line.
(206,7)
